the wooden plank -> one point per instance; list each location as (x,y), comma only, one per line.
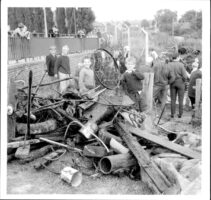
(21,143)
(198,98)
(148,89)
(154,173)
(165,143)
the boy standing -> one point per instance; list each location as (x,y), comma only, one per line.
(132,84)
(86,76)
(62,70)
(50,62)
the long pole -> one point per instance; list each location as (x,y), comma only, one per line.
(45,22)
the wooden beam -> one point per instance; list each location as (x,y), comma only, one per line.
(148,89)
(198,98)
(21,143)
(165,143)
(145,162)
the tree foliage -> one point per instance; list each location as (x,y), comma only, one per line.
(33,18)
(49,16)
(145,23)
(190,24)
(60,19)
(85,19)
(165,19)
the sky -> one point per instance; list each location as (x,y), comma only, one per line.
(115,10)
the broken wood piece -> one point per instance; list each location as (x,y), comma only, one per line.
(33,155)
(21,143)
(165,143)
(109,164)
(118,147)
(22,152)
(45,84)
(86,105)
(37,128)
(106,136)
(94,151)
(157,177)
(48,159)
(60,144)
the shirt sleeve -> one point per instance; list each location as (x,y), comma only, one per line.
(184,74)
(48,63)
(171,76)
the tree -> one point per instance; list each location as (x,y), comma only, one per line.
(194,18)
(70,20)
(144,23)
(85,18)
(12,20)
(38,20)
(165,19)
(60,19)
(49,16)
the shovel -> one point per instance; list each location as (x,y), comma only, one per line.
(23,152)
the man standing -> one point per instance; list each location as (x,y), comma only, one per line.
(196,74)
(50,62)
(162,77)
(178,86)
(62,68)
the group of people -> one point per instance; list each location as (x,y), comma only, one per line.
(58,67)
(168,73)
(171,73)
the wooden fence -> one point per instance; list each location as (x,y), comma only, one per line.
(35,47)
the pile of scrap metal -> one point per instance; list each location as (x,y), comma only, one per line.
(102,126)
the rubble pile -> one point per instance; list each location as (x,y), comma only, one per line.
(102,131)
(108,132)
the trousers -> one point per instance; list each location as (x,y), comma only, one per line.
(177,89)
(140,101)
(160,91)
(63,84)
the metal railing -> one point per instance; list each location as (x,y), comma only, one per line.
(22,48)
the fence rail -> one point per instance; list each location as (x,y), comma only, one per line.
(21,48)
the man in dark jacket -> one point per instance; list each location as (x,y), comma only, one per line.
(132,84)
(178,86)
(163,76)
(191,90)
(50,62)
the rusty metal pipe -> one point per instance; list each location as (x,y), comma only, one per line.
(109,164)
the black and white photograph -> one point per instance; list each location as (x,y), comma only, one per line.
(105,99)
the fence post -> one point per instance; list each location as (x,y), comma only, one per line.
(148,89)
(198,99)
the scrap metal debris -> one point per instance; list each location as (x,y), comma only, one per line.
(105,132)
